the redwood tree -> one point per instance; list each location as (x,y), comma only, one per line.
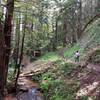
(5,48)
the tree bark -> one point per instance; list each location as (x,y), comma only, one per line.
(1,60)
(6,45)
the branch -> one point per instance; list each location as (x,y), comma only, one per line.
(90,21)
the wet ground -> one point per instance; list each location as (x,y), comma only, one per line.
(27,89)
(32,94)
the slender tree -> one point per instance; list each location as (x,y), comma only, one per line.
(21,53)
(1,60)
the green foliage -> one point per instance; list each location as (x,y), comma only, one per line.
(46,81)
(36,78)
(62,90)
(55,84)
(71,51)
(51,56)
(84,98)
(11,74)
(91,37)
(67,68)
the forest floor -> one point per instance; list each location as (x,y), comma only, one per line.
(28,89)
(89,82)
(88,77)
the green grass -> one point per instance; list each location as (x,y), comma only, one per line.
(51,56)
(55,83)
(71,51)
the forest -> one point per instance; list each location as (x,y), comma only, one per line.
(49,49)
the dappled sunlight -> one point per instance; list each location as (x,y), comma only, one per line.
(90,98)
(26,82)
(36,67)
(87,89)
(49,49)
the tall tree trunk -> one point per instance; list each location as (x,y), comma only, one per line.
(6,44)
(64,32)
(79,19)
(55,36)
(1,61)
(21,53)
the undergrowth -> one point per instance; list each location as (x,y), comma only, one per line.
(56,84)
(70,52)
(51,56)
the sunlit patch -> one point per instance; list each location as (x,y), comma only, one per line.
(90,98)
(87,90)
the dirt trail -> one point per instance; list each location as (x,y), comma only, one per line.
(90,82)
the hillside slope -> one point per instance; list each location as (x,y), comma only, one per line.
(91,36)
(88,41)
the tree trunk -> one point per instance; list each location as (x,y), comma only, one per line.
(6,44)
(55,42)
(21,54)
(1,61)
